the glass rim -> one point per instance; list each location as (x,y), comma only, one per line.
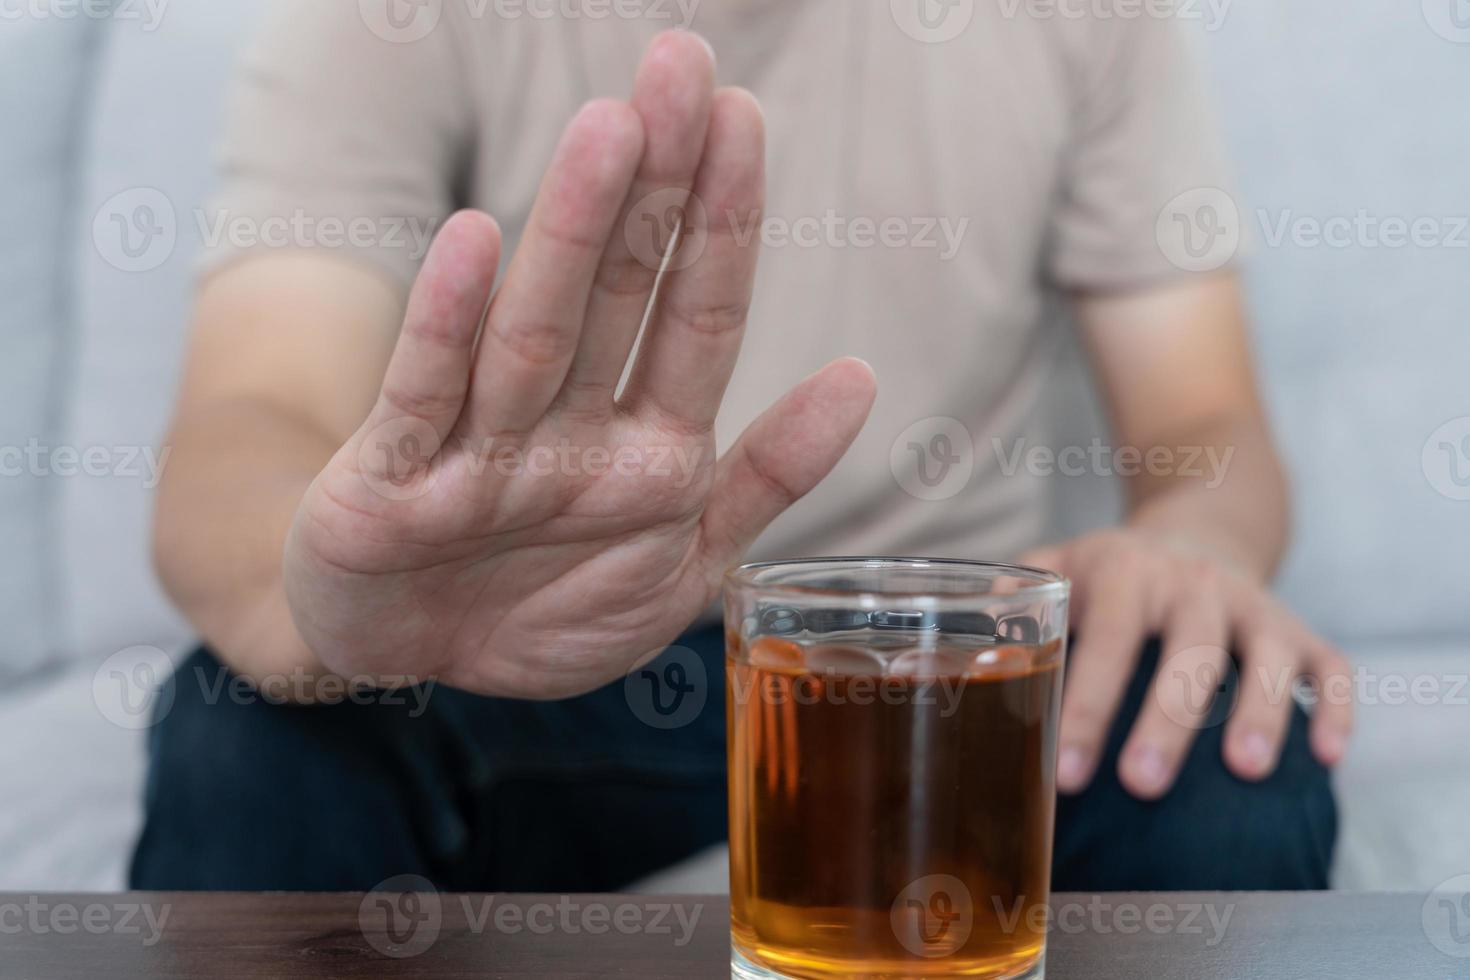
(1050,585)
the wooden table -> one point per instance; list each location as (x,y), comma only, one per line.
(1160,936)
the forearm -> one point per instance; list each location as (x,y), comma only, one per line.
(285,357)
(1176,373)
(237,472)
(1231,501)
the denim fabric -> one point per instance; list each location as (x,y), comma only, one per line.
(591,793)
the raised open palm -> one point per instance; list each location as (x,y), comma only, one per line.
(505,521)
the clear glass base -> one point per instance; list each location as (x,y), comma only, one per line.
(743,969)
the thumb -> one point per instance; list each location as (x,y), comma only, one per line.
(785,453)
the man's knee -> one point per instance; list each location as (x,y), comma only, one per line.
(245,794)
(1212,831)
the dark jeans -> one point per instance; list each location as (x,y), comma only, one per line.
(488,794)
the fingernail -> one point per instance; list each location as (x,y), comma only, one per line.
(1071,770)
(1149,768)
(1331,747)
(707,46)
(1256,751)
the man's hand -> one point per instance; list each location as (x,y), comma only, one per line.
(502,520)
(1131,584)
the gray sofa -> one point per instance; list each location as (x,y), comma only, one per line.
(1331,111)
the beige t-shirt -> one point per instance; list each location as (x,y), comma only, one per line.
(936,185)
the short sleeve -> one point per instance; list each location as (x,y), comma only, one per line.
(343,136)
(1145,143)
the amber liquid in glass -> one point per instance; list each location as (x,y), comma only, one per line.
(891,804)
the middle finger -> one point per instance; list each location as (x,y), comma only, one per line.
(1192,663)
(672,95)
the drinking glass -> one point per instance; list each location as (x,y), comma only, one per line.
(892,748)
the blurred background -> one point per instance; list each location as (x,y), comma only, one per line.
(1347,127)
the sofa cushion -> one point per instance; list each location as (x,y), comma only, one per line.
(43,76)
(147,171)
(1337,113)
(74,774)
